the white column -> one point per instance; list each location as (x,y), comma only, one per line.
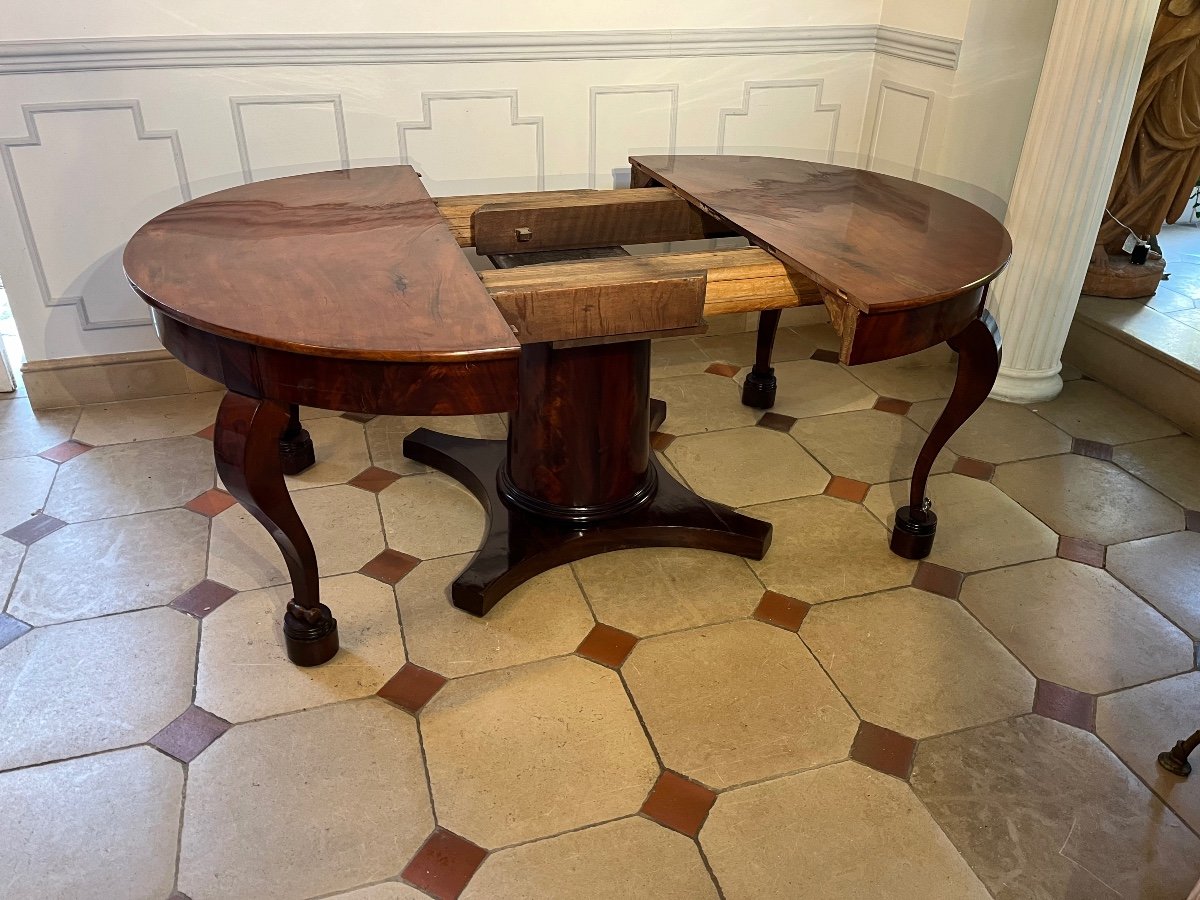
(1083,103)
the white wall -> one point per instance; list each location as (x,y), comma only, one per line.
(98,135)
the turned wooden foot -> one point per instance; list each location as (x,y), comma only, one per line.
(758,390)
(1175,760)
(979,352)
(296,451)
(246,444)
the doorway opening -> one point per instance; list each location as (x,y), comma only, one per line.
(11,353)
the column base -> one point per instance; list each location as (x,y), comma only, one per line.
(1026,385)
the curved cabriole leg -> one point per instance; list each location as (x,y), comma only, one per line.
(246,446)
(758,390)
(979,348)
(295,445)
(1175,760)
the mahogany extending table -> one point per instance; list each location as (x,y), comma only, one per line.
(348,290)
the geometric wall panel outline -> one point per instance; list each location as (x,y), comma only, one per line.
(33,139)
(927,96)
(834,110)
(239,126)
(426,123)
(593,136)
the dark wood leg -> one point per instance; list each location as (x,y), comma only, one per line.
(759,388)
(295,445)
(246,446)
(1175,760)
(979,351)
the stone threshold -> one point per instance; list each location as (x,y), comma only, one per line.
(1144,354)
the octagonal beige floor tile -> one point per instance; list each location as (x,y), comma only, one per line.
(919,376)
(616,861)
(110,566)
(132,478)
(101,826)
(386,434)
(1168,464)
(88,686)
(1076,625)
(701,402)
(979,526)
(823,549)
(676,356)
(341,450)
(342,521)
(389,890)
(1142,722)
(26,483)
(1041,809)
(1086,498)
(544,617)
(1089,410)
(534,751)
(737,702)
(323,800)
(26,432)
(244,671)
(866,445)
(11,554)
(739,348)
(657,589)
(998,432)
(1164,570)
(147,420)
(843,831)
(746,465)
(916,663)
(808,387)
(432,515)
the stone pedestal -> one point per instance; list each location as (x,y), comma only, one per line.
(1084,98)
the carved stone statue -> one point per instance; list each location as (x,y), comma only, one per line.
(1160,160)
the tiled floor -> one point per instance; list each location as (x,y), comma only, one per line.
(830,722)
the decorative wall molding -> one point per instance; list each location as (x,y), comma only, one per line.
(239,126)
(426,123)
(30,112)
(593,128)
(818,107)
(880,99)
(207,51)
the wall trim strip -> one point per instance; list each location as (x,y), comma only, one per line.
(207,51)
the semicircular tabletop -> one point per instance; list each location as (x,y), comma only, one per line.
(880,242)
(355,264)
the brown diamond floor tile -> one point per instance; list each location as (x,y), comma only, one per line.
(412,687)
(373,479)
(11,629)
(892,405)
(202,599)
(1191,519)
(1094,449)
(207,432)
(607,645)
(390,566)
(1087,552)
(938,579)
(444,865)
(826,356)
(190,734)
(883,750)
(358,417)
(847,489)
(34,529)
(660,440)
(679,804)
(781,610)
(60,453)
(1064,704)
(722,369)
(211,503)
(777,422)
(974,468)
